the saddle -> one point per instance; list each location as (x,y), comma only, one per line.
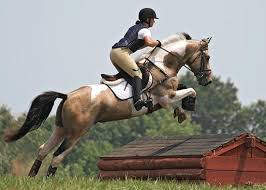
(121,83)
(112,77)
(122,75)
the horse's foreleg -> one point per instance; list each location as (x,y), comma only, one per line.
(56,137)
(171,99)
(180,94)
(180,113)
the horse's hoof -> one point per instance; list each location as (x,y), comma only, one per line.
(180,114)
(51,171)
(181,117)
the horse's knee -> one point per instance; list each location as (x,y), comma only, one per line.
(192,92)
(59,157)
(62,151)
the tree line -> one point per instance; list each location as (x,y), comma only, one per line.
(218,111)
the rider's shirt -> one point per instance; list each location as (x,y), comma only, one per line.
(134,37)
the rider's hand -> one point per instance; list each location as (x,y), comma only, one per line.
(151,42)
(159,44)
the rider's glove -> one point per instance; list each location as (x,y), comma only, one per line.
(159,44)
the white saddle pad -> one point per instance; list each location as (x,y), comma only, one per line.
(123,90)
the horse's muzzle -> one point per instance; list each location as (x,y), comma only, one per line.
(207,83)
(203,79)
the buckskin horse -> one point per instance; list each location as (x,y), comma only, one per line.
(111,100)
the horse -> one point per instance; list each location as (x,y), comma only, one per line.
(82,108)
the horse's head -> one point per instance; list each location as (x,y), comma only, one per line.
(199,60)
(179,50)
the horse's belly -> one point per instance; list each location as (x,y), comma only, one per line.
(108,108)
(116,112)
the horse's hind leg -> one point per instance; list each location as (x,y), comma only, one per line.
(63,150)
(75,131)
(54,140)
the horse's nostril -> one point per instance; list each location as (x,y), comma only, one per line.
(209,82)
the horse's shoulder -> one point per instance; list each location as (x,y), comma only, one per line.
(171,83)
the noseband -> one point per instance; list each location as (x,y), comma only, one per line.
(202,74)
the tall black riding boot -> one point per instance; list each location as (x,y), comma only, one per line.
(136,89)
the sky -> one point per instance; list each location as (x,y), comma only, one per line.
(61,45)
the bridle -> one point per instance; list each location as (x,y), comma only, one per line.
(201,75)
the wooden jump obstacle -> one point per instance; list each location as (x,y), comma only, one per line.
(216,159)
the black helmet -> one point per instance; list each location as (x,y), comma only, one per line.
(146,13)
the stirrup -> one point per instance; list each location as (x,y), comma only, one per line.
(141,103)
(149,104)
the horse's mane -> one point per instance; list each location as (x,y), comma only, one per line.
(169,40)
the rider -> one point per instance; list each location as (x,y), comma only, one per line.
(137,37)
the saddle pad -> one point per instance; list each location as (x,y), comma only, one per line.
(122,91)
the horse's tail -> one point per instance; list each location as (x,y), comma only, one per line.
(40,109)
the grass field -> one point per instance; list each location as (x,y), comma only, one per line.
(76,183)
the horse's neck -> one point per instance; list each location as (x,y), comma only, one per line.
(181,53)
(173,61)
(169,63)
(161,70)
(165,43)
(192,49)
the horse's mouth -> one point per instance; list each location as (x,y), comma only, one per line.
(207,83)
(205,79)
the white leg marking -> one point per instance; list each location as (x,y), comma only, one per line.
(180,94)
(167,102)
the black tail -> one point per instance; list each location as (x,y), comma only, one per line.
(38,113)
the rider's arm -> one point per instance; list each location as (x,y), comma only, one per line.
(150,41)
(145,34)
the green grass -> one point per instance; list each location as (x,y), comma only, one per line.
(76,183)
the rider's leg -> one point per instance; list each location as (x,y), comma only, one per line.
(136,90)
(121,57)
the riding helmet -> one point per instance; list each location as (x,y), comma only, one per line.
(146,13)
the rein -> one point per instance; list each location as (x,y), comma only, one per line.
(149,63)
(174,56)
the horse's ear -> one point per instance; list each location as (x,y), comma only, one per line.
(204,43)
(209,39)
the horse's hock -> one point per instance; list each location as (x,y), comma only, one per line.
(216,159)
